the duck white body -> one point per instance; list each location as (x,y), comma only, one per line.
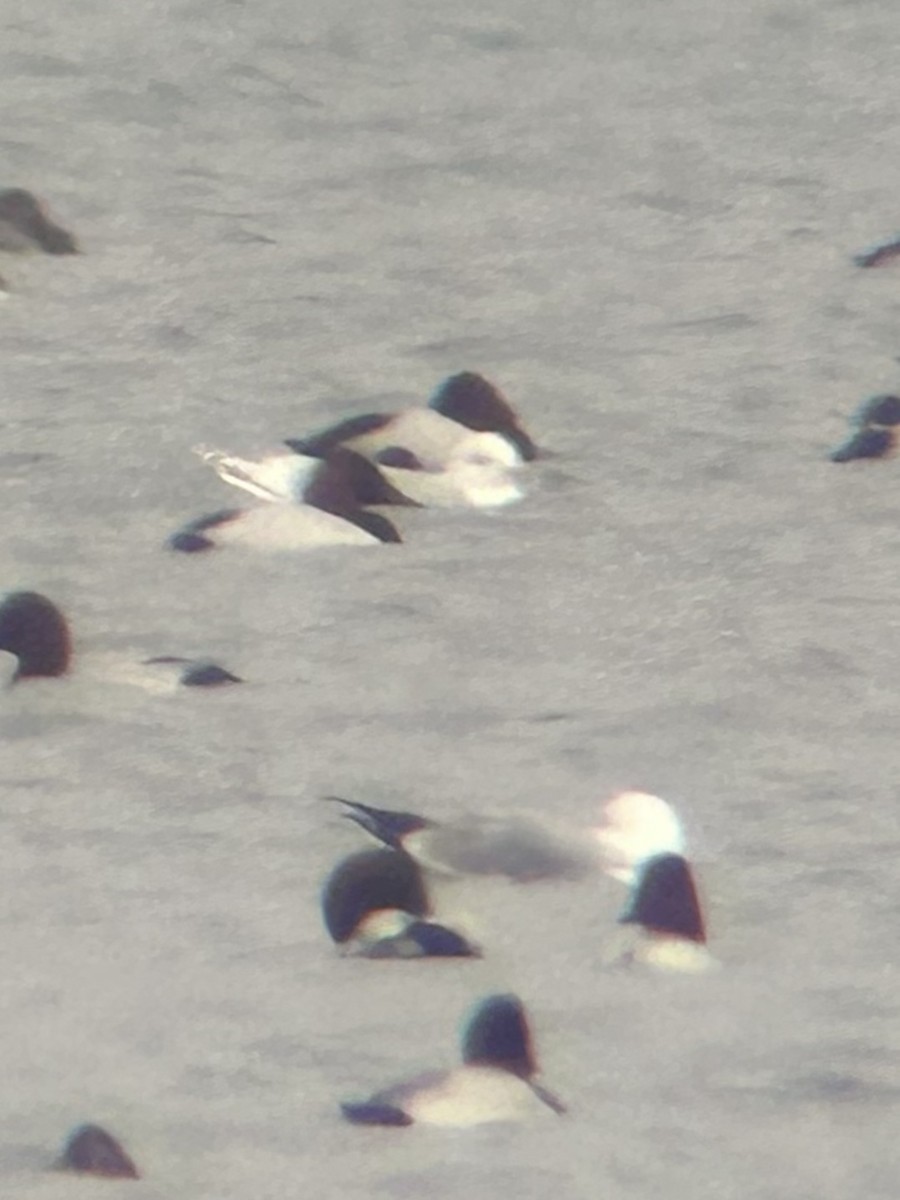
(280,529)
(465,1097)
(482,470)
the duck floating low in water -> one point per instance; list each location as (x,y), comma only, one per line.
(460,449)
(90,1150)
(375,904)
(312,503)
(874,435)
(25,227)
(37,636)
(663,920)
(496,1082)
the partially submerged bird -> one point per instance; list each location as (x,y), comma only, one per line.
(194,672)
(461,449)
(496,1082)
(875,430)
(474,846)
(25,226)
(662,921)
(375,904)
(311,503)
(879,256)
(35,633)
(90,1150)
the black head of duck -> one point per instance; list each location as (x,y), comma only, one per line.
(874,434)
(471,400)
(90,1150)
(36,633)
(25,225)
(664,913)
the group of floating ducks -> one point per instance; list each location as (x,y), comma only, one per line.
(444,467)
(466,447)
(376,904)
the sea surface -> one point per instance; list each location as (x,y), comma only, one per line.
(638,219)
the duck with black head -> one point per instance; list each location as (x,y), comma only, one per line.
(35,635)
(310,503)
(875,425)
(662,922)
(90,1150)
(26,228)
(463,449)
(497,1080)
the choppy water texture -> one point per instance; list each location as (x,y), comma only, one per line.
(639,220)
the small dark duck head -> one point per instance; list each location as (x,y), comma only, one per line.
(90,1150)
(422,939)
(194,673)
(878,410)
(383,824)
(664,900)
(375,1112)
(875,430)
(472,401)
(192,539)
(34,630)
(496,1034)
(24,225)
